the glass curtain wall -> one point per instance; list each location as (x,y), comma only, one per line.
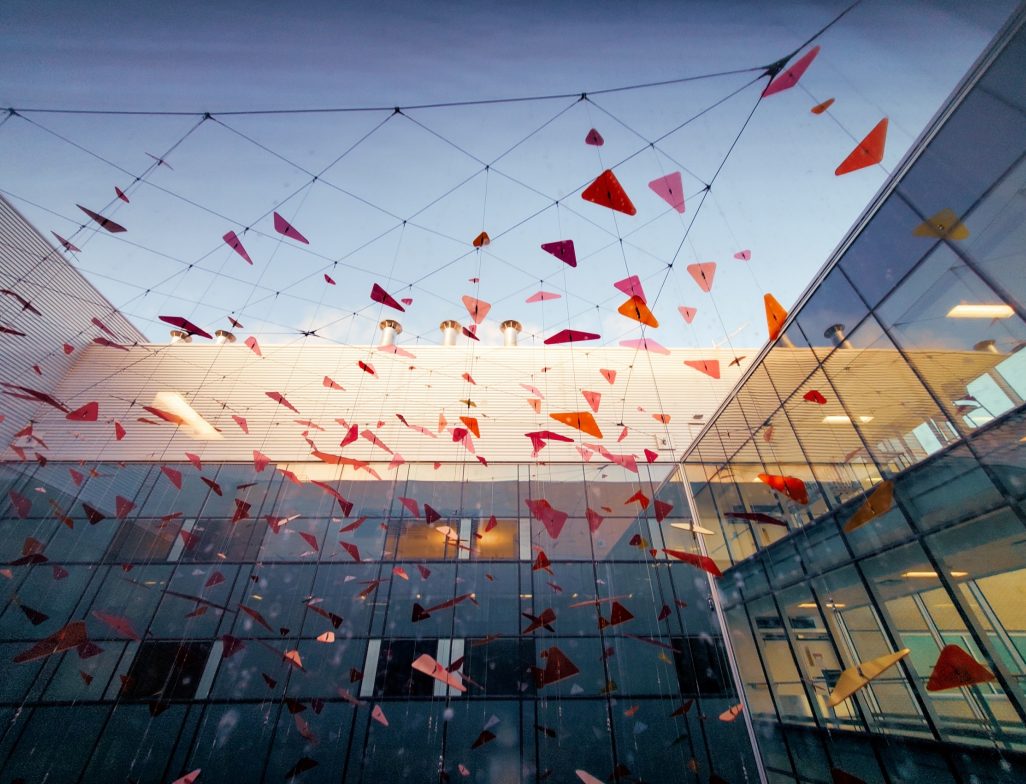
(865,484)
(262,623)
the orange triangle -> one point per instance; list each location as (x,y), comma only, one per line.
(711,367)
(593,398)
(877,503)
(663,418)
(477,308)
(635,308)
(869,152)
(535,404)
(481,239)
(608,192)
(442,422)
(608,375)
(471,423)
(775,316)
(955,668)
(703,274)
(581,420)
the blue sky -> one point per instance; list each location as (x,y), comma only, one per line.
(775,195)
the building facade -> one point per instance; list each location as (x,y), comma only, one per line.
(268,563)
(865,481)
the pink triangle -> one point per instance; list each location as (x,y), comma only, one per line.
(790,77)
(477,308)
(594,138)
(282,226)
(608,375)
(631,287)
(562,250)
(670,189)
(743,255)
(645,344)
(703,274)
(541,296)
(688,313)
(236,245)
(711,367)
(593,398)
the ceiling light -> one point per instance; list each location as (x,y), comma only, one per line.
(813,605)
(841,419)
(175,404)
(932,574)
(992,311)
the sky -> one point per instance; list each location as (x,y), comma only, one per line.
(400,196)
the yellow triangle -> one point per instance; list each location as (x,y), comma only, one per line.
(944,225)
(854,678)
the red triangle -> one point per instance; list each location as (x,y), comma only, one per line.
(662,509)
(703,274)
(123,506)
(607,192)
(88,413)
(608,375)
(955,668)
(594,138)
(869,152)
(378,294)
(593,398)
(594,519)
(711,367)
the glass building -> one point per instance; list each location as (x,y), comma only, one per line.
(865,481)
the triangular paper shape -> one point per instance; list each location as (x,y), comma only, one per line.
(877,503)
(636,309)
(790,77)
(106,223)
(282,226)
(854,678)
(631,286)
(645,344)
(606,191)
(562,250)
(670,189)
(775,316)
(570,336)
(582,420)
(594,138)
(687,313)
(236,245)
(869,152)
(477,308)
(593,398)
(542,296)
(791,486)
(819,108)
(711,367)
(378,294)
(944,225)
(481,240)
(703,274)
(87,413)
(955,668)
